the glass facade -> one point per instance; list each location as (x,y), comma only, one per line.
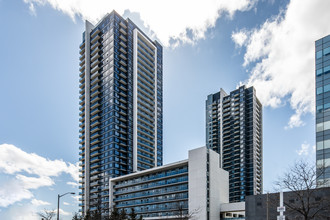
(120,106)
(162,192)
(234,130)
(322,80)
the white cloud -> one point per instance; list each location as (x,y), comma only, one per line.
(40,170)
(307,150)
(62,212)
(37,202)
(76,198)
(239,38)
(73,184)
(65,203)
(14,160)
(34,182)
(167,19)
(12,192)
(280,54)
(304,149)
(25,212)
(32,9)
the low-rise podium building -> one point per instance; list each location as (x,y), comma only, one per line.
(193,187)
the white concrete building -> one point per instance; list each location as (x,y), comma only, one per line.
(194,187)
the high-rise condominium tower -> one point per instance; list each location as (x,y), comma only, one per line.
(322,71)
(120,106)
(234,130)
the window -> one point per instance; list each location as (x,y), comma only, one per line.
(327,105)
(326,69)
(322,126)
(319,108)
(319,145)
(319,72)
(319,54)
(326,51)
(326,144)
(319,90)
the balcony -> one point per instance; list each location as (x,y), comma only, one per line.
(96,68)
(95,87)
(93,52)
(82,102)
(82,45)
(96,80)
(82,78)
(122,44)
(95,135)
(95,153)
(82,107)
(82,85)
(97,122)
(122,31)
(122,62)
(96,38)
(95,159)
(81,63)
(122,87)
(82,91)
(94,117)
(122,24)
(82,57)
(81,119)
(96,31)
(95,141)
(82,68)
(122,50)
(122,106)
(96,165)
(95,45)
(96,62)
(95,75)
(82,51)
(123,69)
(96,104)
(122,56)
(95,57)
(145,46)
(96,183)
(82,74)
(95,111)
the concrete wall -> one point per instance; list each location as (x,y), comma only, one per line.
(218,184)
(197,182)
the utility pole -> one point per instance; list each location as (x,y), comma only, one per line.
(58,203)
(267,211)
(281,208)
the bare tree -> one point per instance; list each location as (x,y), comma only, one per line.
(47,214)
(305,200)
(183,213)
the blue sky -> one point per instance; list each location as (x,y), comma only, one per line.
(207,46)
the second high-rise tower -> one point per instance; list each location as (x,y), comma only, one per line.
(234,130)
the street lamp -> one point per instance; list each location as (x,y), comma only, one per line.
(58,203)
